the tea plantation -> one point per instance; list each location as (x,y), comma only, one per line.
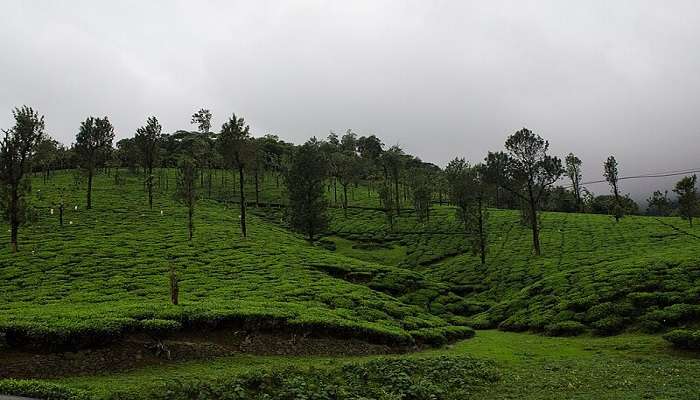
(104,276)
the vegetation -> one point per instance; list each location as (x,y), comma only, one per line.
(307,204)
(147,141)
(687,198)
(15,157)
(528,172)
(611,175)
(93,143)
(356,245)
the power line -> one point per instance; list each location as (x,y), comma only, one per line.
(652,175)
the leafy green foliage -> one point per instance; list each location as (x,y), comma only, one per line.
(419,379)
(687,198)
(307,204)
(684,338)
(106,272)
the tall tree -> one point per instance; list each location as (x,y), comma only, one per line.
(307,202)
(528,172)
(147,138)
(370,147)
(573,171)
(659,204)
(422,191)
(496,174)
(186,191)
(92,144)
(611,175)
(392,161)
(16,150)
(687,198)
(467,191)
(349,170)
(202,119)
(236,150)
(48,153)
(386,197)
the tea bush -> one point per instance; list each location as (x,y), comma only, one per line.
(685,339)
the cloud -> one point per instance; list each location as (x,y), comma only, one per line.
(443,79)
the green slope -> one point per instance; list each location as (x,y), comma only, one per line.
(104,274)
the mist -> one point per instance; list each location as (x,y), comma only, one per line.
(441,79)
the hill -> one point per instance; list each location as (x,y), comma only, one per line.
(104,274)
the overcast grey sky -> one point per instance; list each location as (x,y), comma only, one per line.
(442,79)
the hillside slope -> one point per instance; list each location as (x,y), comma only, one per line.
(105,274)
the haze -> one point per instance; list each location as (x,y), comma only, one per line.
(442,79)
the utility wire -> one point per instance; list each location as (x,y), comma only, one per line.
(652,175)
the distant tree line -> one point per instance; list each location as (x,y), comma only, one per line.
(319,174)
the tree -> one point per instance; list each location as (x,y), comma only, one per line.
(146,139)
(467,191)
(386,197)
(659,204)
(573,171)
(348,143)
(528,172)
(611,175)
(128,154)
(236,151)
(47,153)
(392,161)
(92,144)
(349,170)
(186,191)
(307,203)
(422,191)
(370,147)
(203,120)
(495,173)
(16,151)
(687,198)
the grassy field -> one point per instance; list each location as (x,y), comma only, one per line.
(104,276)
(105,273)
(501,365)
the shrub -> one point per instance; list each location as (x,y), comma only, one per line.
(40,389)
(383,378)
(566,328)
(608,326)
(684,339)
(160,328)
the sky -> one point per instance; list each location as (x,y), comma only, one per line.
(441,79)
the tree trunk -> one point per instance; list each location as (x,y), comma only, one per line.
(150,187)
(14,217)
(398,202)
(89,189)
(535,228)
(345,200)
(209,183)
(190,225)
(257,189)
(482,236)
(335,192)
(242,197)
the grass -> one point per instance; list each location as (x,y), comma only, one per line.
(519,366)
(593,275)
(105,275)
